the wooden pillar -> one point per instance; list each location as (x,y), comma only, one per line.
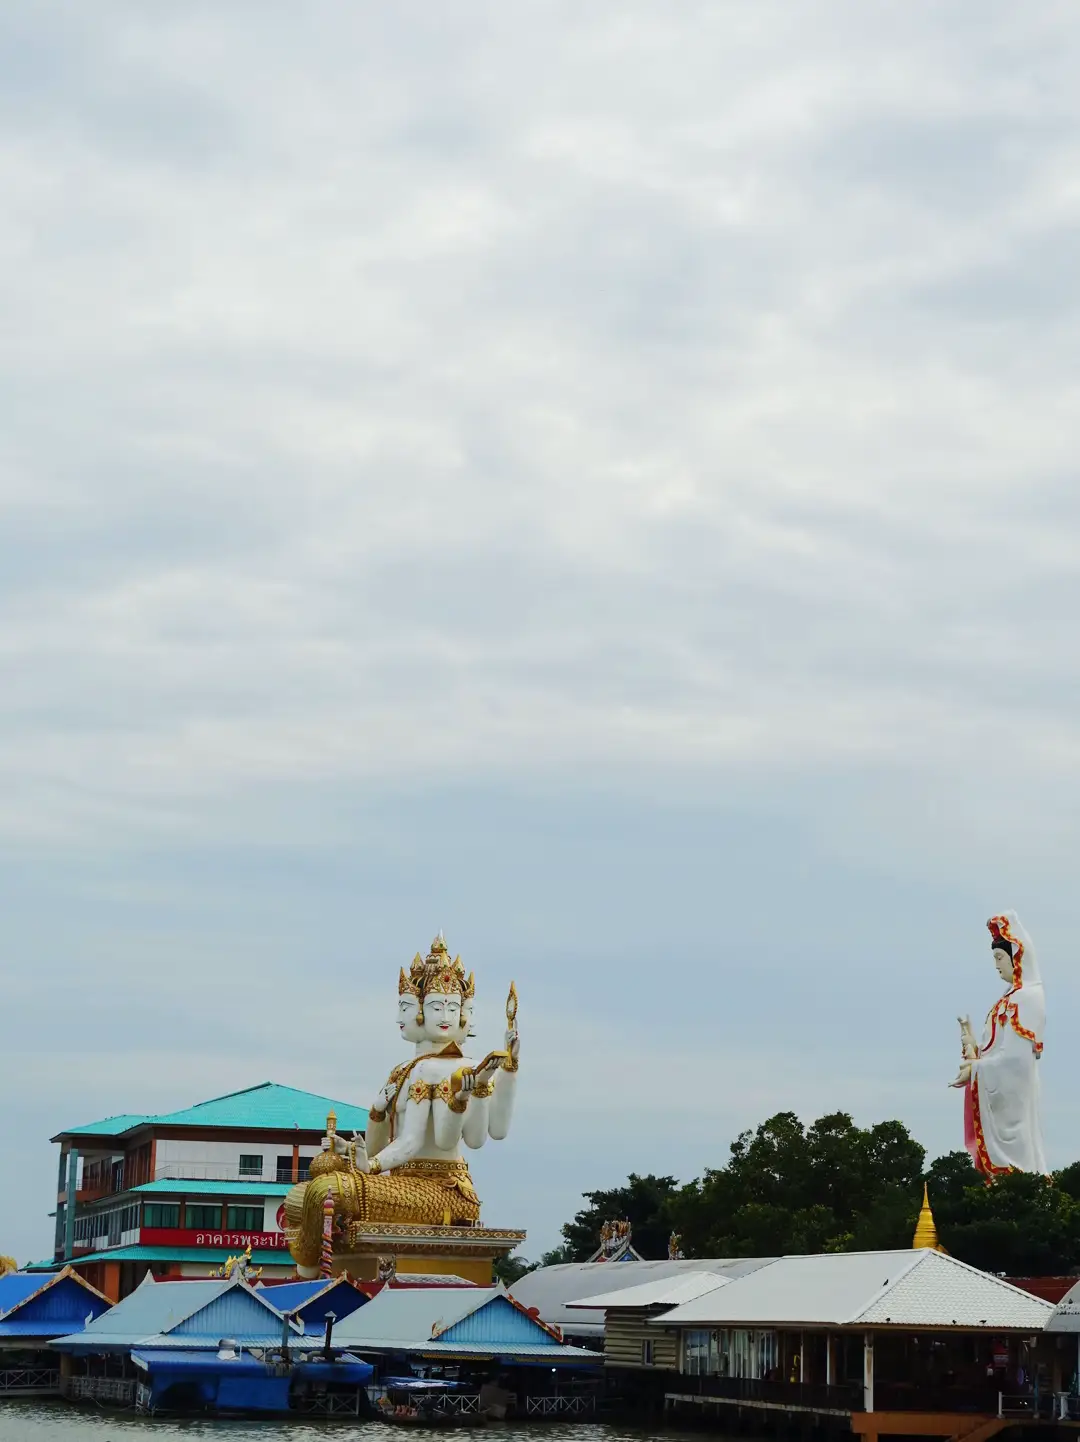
(112,1281)
(828,1359)
(296,1162)
(70,1203)
(802,1356)
(868,1372)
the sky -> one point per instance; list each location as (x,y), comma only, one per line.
(600,480)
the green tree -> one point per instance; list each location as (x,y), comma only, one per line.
(645,1202)
(834,1187)
(831,1186)
(509,1269)
(1021,1224)
(558,1256)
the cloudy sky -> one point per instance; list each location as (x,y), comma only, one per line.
(599,479)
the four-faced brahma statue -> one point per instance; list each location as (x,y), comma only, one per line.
(409,1167)
(1000,1075)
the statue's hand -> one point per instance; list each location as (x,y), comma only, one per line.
(336,1143)
(963,1076)
(385,1100)
(513,1046)
(969,1048)
(359,1153)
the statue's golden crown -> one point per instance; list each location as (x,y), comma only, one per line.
(436,973)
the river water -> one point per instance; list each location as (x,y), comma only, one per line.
(59,1422)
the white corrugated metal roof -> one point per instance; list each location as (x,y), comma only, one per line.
(551,1289)
(663,1292)
(942,1291)
(906,1289)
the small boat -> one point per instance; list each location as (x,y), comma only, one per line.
(423,1402)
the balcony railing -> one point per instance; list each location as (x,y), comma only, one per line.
(119,1390)
(934,1397)
(1029,1407)
(811,1396)
(215,1172)
(29,1381)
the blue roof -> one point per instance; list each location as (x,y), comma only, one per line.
(467,1321)
(268,1106)
(345,1368)
(196,1313)
(150,1358)
(15,1287)
(312,1300)
(33,1305)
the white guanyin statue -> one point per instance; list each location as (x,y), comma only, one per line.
(1000,1075)
(409,1168)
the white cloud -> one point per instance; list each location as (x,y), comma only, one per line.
(659,420)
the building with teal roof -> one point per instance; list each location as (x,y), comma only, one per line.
(179,1192)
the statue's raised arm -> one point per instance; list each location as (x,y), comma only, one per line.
(1000,1075)
(411,1169)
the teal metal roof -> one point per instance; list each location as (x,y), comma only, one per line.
(261,1256)
(183,1187)
(267,1106)
(109,1126)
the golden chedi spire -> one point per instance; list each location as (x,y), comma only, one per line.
(926,1228)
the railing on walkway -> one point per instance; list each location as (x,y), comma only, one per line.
(457,1404)
(1031,1407)
(29,1381)
(931,1397)
(571,1405)
(118,1390)
(331,1404)
(804,1396)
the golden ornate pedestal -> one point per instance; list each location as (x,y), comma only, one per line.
(425,1215)
(459,1251)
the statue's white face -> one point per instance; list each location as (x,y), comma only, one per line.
(442,1017)
(1003,962)
(408,1011)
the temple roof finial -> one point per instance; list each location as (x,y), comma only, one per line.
(926,1228)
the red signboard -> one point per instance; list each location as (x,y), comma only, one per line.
(236,1241)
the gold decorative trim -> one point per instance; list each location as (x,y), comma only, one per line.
(433,1165)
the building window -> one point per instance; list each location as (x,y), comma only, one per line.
(647,1352)
(284,1169)
(244,1219)
(250,1166)
(161,1214)
(200,1217)
(696,1352)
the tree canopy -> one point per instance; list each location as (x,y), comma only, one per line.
(644,1202)
(835,1186)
